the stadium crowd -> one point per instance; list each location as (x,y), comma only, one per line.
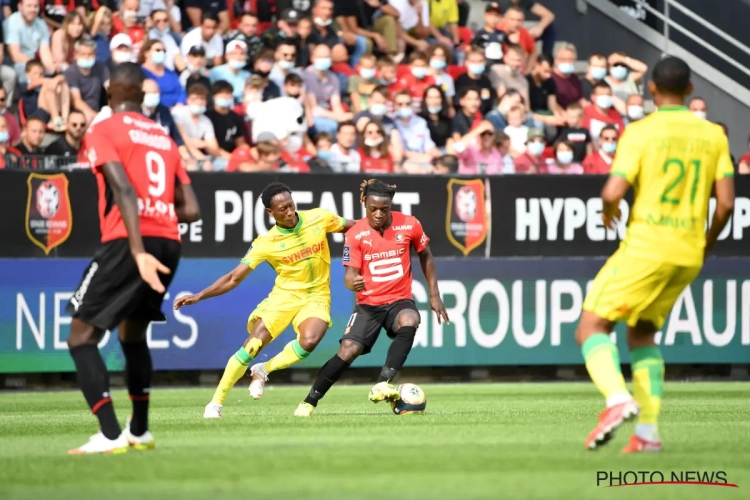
(386,85)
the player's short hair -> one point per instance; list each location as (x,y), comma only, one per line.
(293,79)
(376,187)
(418,56)
(272,190)
(325,136)
(126,83)
(671,75)
(221,87)
(347,123)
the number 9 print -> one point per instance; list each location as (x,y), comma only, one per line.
(386,270)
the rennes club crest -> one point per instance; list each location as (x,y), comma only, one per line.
(49,218)
(466,217)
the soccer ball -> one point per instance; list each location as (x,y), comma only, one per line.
(412,400)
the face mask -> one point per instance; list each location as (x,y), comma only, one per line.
(604,101)
(224,102)
(598,73)
(196,109)
(158,57)
(476,69)
(700,114)
(535,148)
(564,157)
(367,73)
(320,22)
(373,142)
(120,56)
(294,143)
(4,136)
(419,72)
(437,64)
(378,109)
(129,14)
(619,72)
(85,63)
(404,112)
(194,69)
(609,147)
(325,155)
(151,100)
(286,65)
(566,68)
(635,112)
(323,64)
(434,110)
(237,64)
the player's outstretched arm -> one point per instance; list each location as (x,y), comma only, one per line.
(613,191)
(353,280)
(428,268)
(225,284)
(186,203)
(724,208)
(347,225)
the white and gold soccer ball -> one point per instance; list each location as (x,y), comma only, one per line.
(412,400)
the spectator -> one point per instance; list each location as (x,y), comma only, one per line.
(100,31)
(531,161)
(247,32)
(147,7)
(293,88)
(435,111)
(489,37)
(499,116)
(11,122)
(323,89)
(485,153)
(512,25)
(126,17)
(362,84)
(229,127)
(86,80)
(343,156)
(357,40)
(31,140)
(475,78)
(374,151)
(419,149)
(53,13)
(744,165)
(600,161)
(517,131)
(444,22)
(49,98)
(326,32)
(151,58)
(379,21)
(285,57)
(699,108)
(304,30)
(468,115)
(262,67)
(634,108)
(507,76)
(323,144)
(195,9)
(377,109)
(70,143)
(575,134)
(64,40)
(162,32)
(121,50)
(387,70)
(569,89)
(563,163)
(287,29)
(596,72)
(418,79)
(544,29)
(600,112)
(10,157)
(625,75)
(414,18)
(543,94)
(153,109)
(196,68)
(195,127)
(207,37)
(25,36)
(446,165)
(233,71)
(438,62)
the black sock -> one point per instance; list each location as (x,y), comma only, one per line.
(397,353)
(94,381)
(138,370)
(327,376)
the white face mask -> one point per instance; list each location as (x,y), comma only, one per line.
(294,143)
(374,142)
(121,56)
(321,22)
(635,112)
(700,114)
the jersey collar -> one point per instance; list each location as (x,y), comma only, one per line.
(296,228)
(672,108)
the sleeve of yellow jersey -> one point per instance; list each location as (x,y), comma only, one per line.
(332,222)
(724,168)
(256,255)
(627,162)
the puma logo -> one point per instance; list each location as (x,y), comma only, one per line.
(367,242)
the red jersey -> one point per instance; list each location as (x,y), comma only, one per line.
(153,166)
(384,261)
(597,163)
(415,87)
(382,165)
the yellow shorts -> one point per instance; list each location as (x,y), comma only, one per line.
(632,289)
(280,309)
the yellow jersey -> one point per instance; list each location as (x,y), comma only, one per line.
(671,158)
(443,12)
(300,256)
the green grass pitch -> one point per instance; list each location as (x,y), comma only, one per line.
(488,441)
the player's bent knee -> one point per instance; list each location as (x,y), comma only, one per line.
(349,351)
(82,333)
(589,325)
(409,318)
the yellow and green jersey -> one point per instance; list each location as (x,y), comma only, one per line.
(300,256)
(672,159)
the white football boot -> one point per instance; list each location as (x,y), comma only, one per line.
(260,377)
(212,411)
(143,442)
(98,443)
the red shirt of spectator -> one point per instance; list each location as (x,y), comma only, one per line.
(528,164)
(525,40)
(745,159)
(597,162)
(596,118)
(14,129)
(414,85)
(296,162)
(370,164)
(241,155)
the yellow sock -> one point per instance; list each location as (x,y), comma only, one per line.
(648,382)
(603,365)
(235,369)
(292,354)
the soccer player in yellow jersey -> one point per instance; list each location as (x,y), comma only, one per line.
(297,249)
(672,160)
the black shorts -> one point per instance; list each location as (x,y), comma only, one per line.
(366,322)
(112,290)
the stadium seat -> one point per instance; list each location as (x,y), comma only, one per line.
(466,35)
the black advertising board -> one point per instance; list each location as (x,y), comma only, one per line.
(55,214)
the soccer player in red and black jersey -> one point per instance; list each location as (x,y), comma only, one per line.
(143,193)
(378,267)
